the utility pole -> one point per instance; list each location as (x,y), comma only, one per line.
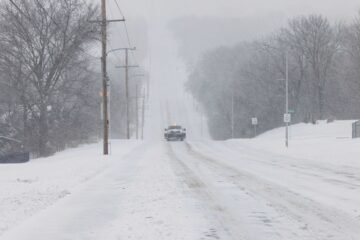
(143,115)
(201,124)
(104,80)
(127,88)
(287,115)
(137,104)
(287,100)
(148,88)
(232,114)
(137,111)
(127,93)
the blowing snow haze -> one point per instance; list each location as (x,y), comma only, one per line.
(170,9)
(193,119)
(202,24)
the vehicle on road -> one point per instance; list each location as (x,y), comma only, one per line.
(175,133)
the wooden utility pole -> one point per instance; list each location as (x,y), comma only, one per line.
(127,88)
(127,93)
(287,101)
(143,115)
(232,114)
(137,106)
(137,111)
(104,80)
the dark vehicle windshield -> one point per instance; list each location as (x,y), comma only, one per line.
(175,127)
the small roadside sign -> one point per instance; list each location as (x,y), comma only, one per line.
(287,118)
(254,121)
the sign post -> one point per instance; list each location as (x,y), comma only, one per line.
(287,120)
(254,122)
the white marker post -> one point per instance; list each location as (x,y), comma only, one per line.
(254,122)
(287,120)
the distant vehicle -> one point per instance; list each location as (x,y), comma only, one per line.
(175,133)
(12,151)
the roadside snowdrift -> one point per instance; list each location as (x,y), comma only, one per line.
(29,188)
(326,143)
(316,180)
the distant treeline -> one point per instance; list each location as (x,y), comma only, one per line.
(234,84)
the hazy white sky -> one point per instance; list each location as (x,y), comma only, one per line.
(251,13)
(239,8)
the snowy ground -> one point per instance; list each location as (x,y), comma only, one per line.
(237,189)
(309,191)
(252,189)
(27,189)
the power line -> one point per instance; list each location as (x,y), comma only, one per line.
(127,35)
(118,6)
(122,15)
(116,55)
(90,55)
(126,30)
(122,39)
(129,42)
(87,52)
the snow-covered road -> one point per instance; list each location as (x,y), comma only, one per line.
(293,199)
(202,190)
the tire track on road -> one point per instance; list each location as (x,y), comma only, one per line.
(194,185)
(303,210)
(348,178)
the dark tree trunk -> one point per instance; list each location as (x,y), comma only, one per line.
(43,133)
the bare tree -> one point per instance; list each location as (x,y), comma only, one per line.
(41,40)
(249,74)
(314,40)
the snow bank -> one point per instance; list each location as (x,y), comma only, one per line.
(338,129)
(316,178)
(329,143)
(28,188)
